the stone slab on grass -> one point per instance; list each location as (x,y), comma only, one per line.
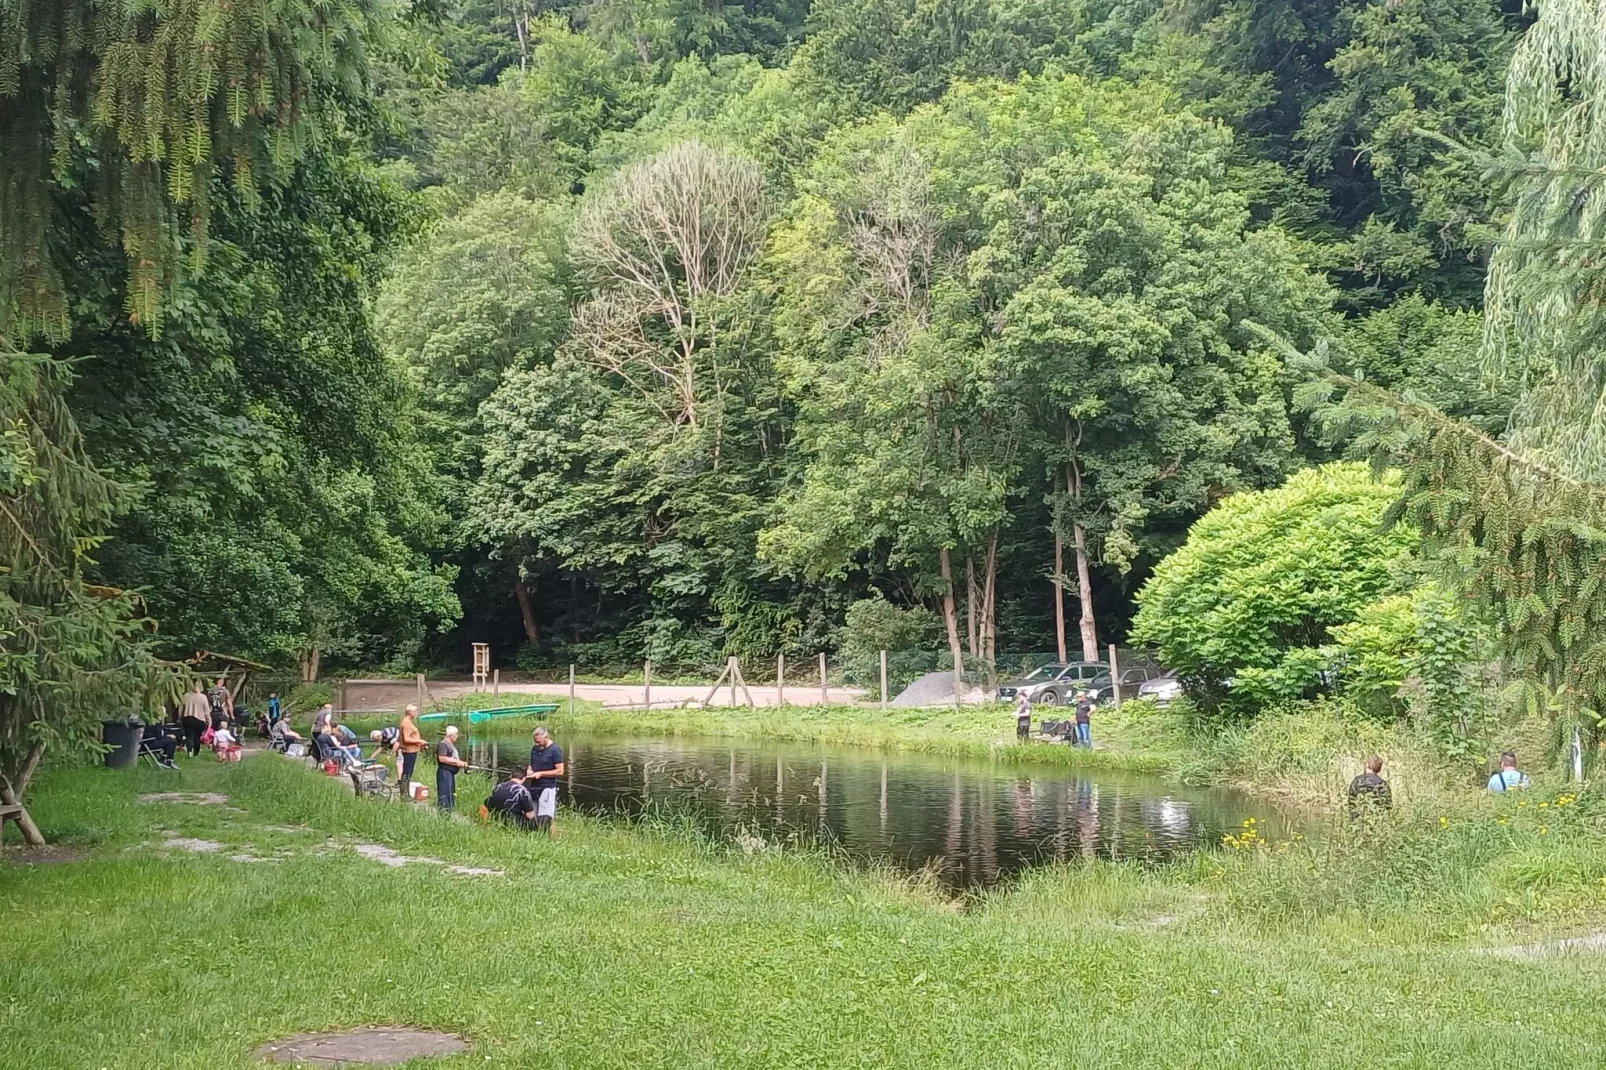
(369,1046)
(192,798)
(1590,943)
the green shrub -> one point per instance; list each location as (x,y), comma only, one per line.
(909,635)
(1243,609)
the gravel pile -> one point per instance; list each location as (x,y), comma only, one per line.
(937,689)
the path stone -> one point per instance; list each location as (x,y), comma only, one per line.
(189,843)
(193,798)
(372,1046)
(387,857)
(1572,945)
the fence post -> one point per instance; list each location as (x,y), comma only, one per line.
(780,680)
(1115,676)
(496,681)
(883,681)
(823,699)
(571,689)
(647,674)
(420,692)
(731,664)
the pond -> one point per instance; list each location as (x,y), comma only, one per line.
(973,822)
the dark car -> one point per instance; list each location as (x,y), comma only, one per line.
(1132,682)
(1054,683)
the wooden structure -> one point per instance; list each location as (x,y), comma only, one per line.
(236,671)
(482,666)
(733,675)
(11,808)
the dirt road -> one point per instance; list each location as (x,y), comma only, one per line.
(394,694)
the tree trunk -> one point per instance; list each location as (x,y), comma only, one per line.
(989,614)
(29,766)
(950,616)
(522,593)
(970,607)
(1090,638)
(1059,591)
(310,657)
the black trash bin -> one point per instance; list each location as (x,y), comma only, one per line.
(123,737)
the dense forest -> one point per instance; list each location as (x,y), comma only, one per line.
(678,328)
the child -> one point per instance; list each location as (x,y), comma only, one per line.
(227,747)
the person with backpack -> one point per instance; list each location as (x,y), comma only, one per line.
(1509,777)
(221,702)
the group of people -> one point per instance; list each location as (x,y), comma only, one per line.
(1082,736)
(1369,792)
(527,798)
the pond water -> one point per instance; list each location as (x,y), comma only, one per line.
(973,822)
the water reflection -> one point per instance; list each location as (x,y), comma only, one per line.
(974,822)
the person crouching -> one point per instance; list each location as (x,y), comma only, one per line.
(512,802)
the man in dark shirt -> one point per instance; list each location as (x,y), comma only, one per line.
(1084,715)
(546,767)
(511,801)
(1369,792)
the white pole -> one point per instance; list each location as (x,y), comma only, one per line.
(780,680)
(1115,676)
(647,673)
(571,689)
(883,681)
(1578,755)
(823,699)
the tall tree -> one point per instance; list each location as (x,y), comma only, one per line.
(152,99)
(70,654)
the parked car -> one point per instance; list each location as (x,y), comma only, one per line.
(1163,689)
(1132,681)
(1054,683)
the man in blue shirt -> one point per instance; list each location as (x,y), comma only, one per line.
(545,769)
(1509,777)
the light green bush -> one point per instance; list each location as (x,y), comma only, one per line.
(1245,607)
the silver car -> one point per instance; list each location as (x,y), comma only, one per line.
(1054,684)
(1162,690)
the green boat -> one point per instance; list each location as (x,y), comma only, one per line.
(482,716)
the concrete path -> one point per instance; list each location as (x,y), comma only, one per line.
(394,694)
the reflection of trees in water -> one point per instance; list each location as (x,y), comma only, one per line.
(972,822)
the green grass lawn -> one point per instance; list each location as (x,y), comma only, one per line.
(622,947)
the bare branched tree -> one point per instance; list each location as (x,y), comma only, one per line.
(661,245)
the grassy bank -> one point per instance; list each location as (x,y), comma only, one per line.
(614,947)
(1132,739)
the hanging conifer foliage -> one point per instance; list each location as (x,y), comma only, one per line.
(139,102)
(1525,539)
(70,654)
